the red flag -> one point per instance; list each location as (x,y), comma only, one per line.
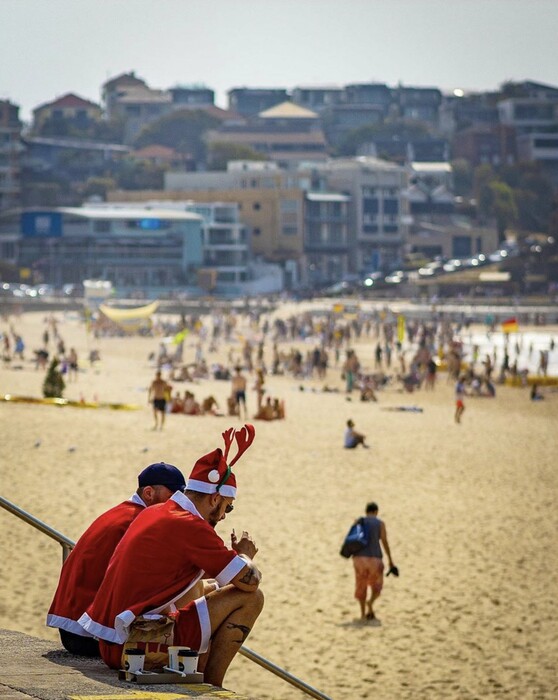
(510,325)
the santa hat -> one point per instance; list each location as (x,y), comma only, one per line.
(212,474)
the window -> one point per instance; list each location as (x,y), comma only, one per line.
(289,230)
(256,206)
(256,231)
(289,205)
(102,226)
(391,206)
(370,206)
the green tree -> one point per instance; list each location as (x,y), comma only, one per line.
(98,187)
(504,207)
(182,130)
(221,153)
(53,386)
(533,193)
(462,177)
(135,174)
(483,176)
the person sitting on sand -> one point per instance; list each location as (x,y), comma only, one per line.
(266,411)
(278,409)
(85,568)
(191,406)
(367,389)
(210,406)
(352,437)
(535,393)
(181,375)
(177,403)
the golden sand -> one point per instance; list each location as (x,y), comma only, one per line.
(470,509)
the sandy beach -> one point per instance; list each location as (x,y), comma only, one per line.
(470,511)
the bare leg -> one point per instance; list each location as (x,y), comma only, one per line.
(362,604)
(232,613)
(375,595)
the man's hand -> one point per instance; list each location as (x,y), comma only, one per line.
(244,545)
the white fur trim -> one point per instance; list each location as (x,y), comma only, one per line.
(230,571)
(204,487)
(205,623)
(97,630)
(64,623)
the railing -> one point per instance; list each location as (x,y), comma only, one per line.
(67,546)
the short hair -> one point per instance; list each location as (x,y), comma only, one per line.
(372,507)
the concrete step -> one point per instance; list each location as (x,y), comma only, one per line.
(35,668)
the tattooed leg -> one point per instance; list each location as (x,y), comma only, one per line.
(243,629)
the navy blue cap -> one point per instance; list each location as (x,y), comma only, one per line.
(162,474)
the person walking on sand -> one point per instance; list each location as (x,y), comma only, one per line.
(159,393)
(352,437)
(239,392)
(368,564)
(459,396)
(73,365)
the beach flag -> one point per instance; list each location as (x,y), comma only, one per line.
(401,328)
(179,337)
(510,325)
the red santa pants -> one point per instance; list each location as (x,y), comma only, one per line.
(192,629)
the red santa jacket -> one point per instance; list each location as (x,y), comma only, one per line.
(165,552)
(85,568)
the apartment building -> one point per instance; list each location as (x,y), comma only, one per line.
(270,203)
(10,155)
(377,222)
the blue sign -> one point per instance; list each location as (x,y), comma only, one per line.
(150,224)
(41,224)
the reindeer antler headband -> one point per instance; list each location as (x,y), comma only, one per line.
(212,473)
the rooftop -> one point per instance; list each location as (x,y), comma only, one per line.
(128,212)
(287,110)
(70,100)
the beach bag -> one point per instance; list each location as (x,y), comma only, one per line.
(355,541)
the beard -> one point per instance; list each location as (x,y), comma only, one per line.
(213,517)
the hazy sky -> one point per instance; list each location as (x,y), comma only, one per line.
(50,47)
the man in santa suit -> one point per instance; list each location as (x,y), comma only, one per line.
(157,570)
(85,568)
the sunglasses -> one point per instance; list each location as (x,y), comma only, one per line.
(229,508)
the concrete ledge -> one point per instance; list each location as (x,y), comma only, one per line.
(35,668)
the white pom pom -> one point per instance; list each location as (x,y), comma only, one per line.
(213,476)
